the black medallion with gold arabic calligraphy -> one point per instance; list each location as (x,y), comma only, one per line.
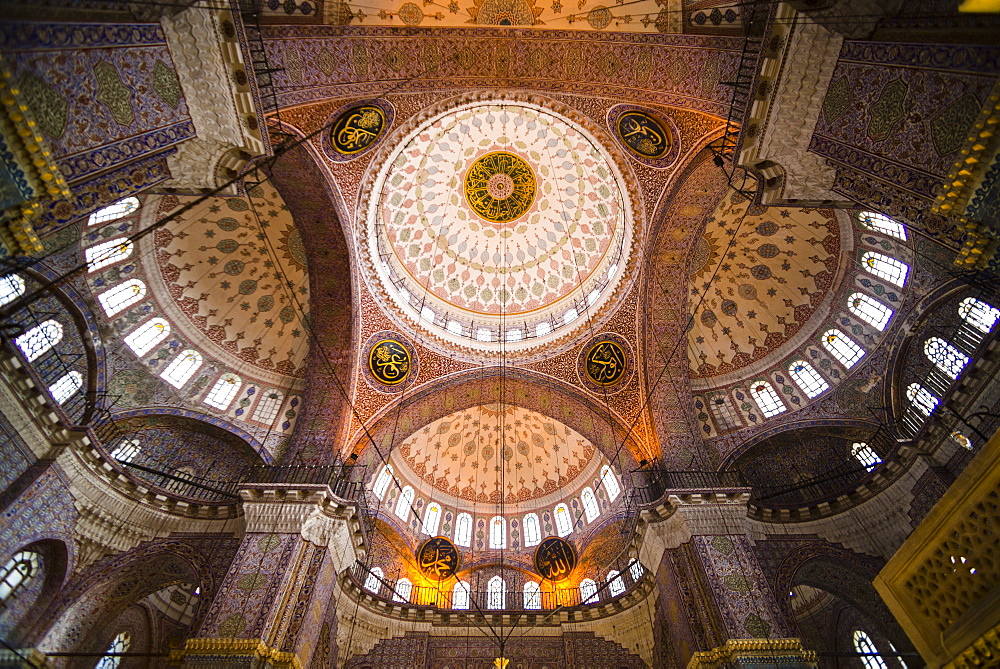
(389,362)
(356,129)
(500,186)
(606,363)
(437,558)
(643,134)
(555,559)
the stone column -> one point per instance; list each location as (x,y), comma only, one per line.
(270,609)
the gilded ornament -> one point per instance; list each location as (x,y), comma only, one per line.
(555,559)
(606,363)
(643,135)
(357,129)
(389,362)
(500,186)
(438,558)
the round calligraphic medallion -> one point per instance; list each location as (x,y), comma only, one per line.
(438,558)
(357,129)
(389,361)
(605,363)
(644,135)
(500,186)
(555,559)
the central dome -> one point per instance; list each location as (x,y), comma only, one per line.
(498,222)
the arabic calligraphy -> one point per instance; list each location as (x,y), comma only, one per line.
(643,134)
(389,362)
(555,559)
(437,558)
(500,186)
(605,363)
(357,129)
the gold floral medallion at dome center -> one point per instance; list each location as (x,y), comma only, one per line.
(500,186)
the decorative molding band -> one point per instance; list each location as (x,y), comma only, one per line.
(983,652)
(219,652)
(751,652)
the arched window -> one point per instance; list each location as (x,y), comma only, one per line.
(374,580)
(610,483)
(588,591)
(532,595)
(460,595)
(119,645)
(123,295)
(899,658)
(222,393)
(532,530)
(402,590)
(404,503)
(590,508)
(616,585)
(807,378)
(114,211)
(564,524)
(975,312)
(17,573)
(635,569)
(883,224)
(144,338)
(866,649)
(885,267)
(463,530)
(842,347)
(127,450)
(66,387)
(182,368)
(498,532)
(767,400)
(39,339)
(268,406)
(496,593)
(543,329)
(11,288)
(108,253)
(946,357)
(382,482)
(432,517)
(921,398)
(869,310)
(864,454)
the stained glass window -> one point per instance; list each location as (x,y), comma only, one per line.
(496,593)
(616,585)
(382,482)
(123,295)
(144,338)
(119,644)
(885,267)
(182,368)
(404,503)
(127,450)
(807,378)
(842,347)
(869,310)
(635,568)
(268,406)
(921,398)
(865,455)
(865,647)
(432,518)
(373,581)
(222,393)
(946,357)
(610,483)
(17,573)
(401,593)
(978,314)
(590,507)
(498,532)
(38,340)
(588,591)
(66,387)
(11,288)
(532,530)
(463,530)
(460,595)
(884,224)
(767,400)
(114,211)
(564,524)
(532,595)
(108,253)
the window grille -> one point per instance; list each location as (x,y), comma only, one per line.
(885,267)
(588,591)
(401,593)
(766,398)
(463,530)
(119,644)
(498,532)
(121,296)
(921,399)
(590,507)
(404,503)
(382,482)
(66,387)
(268,406)
(864,454)
(496,593)
(532,595)
(108,253)
(842,347)
(532,530)
(616,585)
(432,518)
(975,312)
(945,357)
(807,378)
(224,391)
(17,573)
(144,338)
(373,582)
(11,287)
(114,211)
(182,368)
(127,450)
(610,483)
(880,223)
(40,339)
(869,310)
(460,595)
(564,524)
(865,647)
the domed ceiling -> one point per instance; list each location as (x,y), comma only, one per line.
(498,222)
(488,454)
(236,270)
(771,282)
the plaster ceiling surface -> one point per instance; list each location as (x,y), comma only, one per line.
(498,216)
(774,271)
(235,270)
(649,16)
(492,453)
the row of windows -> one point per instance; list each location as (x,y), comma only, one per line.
(496,589)
(498,524)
